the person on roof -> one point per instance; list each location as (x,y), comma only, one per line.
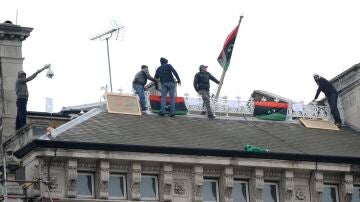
(165,73)
(22,95)
(202,86)
(139,83)
(331,94)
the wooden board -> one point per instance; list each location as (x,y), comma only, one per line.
(122,103)
(320,124)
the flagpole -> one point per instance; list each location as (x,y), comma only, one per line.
(224,71)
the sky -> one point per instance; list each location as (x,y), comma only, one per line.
(279,46)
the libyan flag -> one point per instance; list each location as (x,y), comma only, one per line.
(270,111)
(180,107)
(225,54)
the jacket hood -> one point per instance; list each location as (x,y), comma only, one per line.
(20,73)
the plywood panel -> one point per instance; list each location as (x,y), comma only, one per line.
(320,124)
(122,103)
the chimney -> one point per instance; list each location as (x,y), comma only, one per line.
(11,61)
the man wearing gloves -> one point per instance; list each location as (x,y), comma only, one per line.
(331,94)
(165,73)
(139,82)
(22,95)
(202,86)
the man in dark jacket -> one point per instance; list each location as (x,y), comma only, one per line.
(139,83)
(331,94)
(22,95)
(165,74)
(202,86)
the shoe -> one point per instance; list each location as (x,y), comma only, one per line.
(211,116)
(161,114)
(339,125)
(203,112)
(172,115)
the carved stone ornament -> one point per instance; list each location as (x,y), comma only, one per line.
(287,182)
(346,188)
(300,194)
(166,180)
(71,178)
(103,175)
(257,185)
(317,186)
(135,180)
(180,187)
(198,181)
(227,184)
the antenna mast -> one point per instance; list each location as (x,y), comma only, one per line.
(106,36)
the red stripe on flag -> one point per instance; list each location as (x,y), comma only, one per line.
(272,104)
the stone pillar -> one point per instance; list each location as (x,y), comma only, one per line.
(257,185)
(71,171)
(317,186)
(287,186)
(346,188)
(135,180)
(227,184)
(198,182)
(103,179)
(11,61)
(166,182)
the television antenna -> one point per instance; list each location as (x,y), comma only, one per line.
(106,36)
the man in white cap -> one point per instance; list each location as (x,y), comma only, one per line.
(202,86)
(22,95)
(331,94)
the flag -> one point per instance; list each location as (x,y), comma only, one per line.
(180,107)
(270,111)
(225,54)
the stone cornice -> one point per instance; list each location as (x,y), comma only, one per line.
(14,32)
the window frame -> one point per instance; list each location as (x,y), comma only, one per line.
(277,189)
(336,190)
(86,173)
(217,188)
(124,186)
(156,188)
(356,186)
(247,188)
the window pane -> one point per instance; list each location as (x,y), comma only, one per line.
(209,190)
(84,185)
(148,187)
(270,192)
(239,192)
(116,186)
(356,195)
(329,194)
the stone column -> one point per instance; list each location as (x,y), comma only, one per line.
(11,61)
(287,186)
(103,179)
(346,188)
(317,186)
(71,171)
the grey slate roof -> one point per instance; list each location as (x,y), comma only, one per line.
(223,134)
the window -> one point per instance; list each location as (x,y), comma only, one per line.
(240,191)
(117,188)
(149,187)
(271,193)
(85,185)
(210,190)
(356,194)
(330,193)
